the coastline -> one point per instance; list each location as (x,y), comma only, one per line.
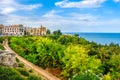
(99,38)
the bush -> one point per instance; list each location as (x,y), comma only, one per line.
(1,39)
(1,47)
(31,77)
(23,71)
(76,60)
(17,59)
(49,53)
(20,65)
(71,54)
(30,70)
(7,73)
(107,77)
(86,76)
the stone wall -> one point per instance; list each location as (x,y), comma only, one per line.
(7,58)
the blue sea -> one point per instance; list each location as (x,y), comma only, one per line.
(100,38)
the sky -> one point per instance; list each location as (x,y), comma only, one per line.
(66,15)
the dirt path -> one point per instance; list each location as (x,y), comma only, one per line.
(42,72)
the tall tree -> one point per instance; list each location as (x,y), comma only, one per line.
(48,31)
(57,32)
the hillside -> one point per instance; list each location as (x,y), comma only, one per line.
(70,57)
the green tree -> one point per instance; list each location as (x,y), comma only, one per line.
(76,60)
(48,31)
(76,35)
(49,53)
(57,32)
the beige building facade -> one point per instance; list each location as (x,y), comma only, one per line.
(36,31)
(19,30)
(14,30)
(1,29)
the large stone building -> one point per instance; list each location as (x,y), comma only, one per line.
(20,30)
(14,30)
(35,31)
(1,29)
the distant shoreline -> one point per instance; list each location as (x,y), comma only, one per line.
(100,38)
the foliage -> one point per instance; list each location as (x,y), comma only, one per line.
(1,47)
(20,64)
(76,60)
(32,77)
(22,71)
(72,54)
(42,51)
(48,31)
(9,74)
(107,77)
(76,35)
(30,70)
(17,60)
(57,32)
(49,52)
(87,75)
(66,39)
(2,39)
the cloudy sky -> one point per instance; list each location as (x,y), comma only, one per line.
(66,15)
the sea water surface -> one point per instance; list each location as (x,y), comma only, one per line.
(100,38)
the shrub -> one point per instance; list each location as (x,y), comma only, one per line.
(86,76)
(76,60)
(107,77)
(17,59)
(23,71)
(7,73)
(1,39)
(1,47)
(20,65)
(30,70)
(31,77)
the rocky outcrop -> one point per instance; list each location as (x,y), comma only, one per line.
(7,58)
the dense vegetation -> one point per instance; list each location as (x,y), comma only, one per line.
(19,73)
(76,58)
(7,73)
(1,41)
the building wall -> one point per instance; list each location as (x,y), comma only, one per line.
(27,31)
(43,30)
(36,31)
(20,30)
(14,30)
(1,29)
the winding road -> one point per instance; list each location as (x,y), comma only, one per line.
(39,70)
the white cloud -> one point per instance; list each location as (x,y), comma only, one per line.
(9,6)
(84,17)
(74,22)
(77,22)
(51,20)
(116,1)
(7,10)
(80,4)
(51,14)
(25,20)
